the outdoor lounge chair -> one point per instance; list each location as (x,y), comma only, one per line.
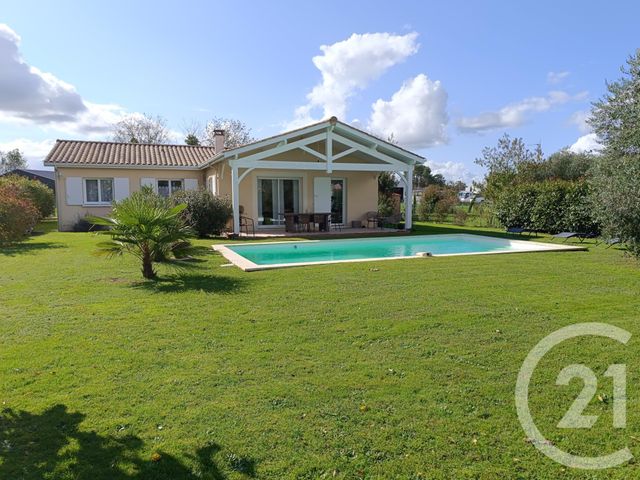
(612,241)
(582,236)
(518,230)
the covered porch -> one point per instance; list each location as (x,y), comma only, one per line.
(326,169)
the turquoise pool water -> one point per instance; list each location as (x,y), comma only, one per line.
(369,248)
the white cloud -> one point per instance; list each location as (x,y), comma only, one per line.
(579,119)
(30,96)
(556,77)
(33,150)
(416,114)
(586,143)
(454,171)
(515,114)
(348,66)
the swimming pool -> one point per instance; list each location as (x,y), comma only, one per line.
(260,256)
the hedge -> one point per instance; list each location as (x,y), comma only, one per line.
(41,195)
(18,214)
(551,206)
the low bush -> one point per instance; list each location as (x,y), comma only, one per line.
(436,201)
(460,217)
(18,214)
(41,195)
(206,213)
(550,206)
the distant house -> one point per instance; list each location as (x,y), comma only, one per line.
(48,177)
(325,167)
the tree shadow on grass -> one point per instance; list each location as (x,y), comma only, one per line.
(192,281)
(51,445)
(28,248)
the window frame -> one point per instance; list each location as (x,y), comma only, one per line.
(169,180)
(100,202)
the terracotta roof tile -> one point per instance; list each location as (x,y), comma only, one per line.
(81,152)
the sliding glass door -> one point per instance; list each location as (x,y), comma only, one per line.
(277,196)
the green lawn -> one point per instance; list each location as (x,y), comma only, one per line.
(399,369)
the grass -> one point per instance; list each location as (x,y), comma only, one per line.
(402,369)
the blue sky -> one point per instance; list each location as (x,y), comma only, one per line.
(446,78)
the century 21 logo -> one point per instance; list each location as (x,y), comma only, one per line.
(574,418)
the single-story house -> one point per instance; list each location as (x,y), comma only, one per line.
(46,177)
(328,166)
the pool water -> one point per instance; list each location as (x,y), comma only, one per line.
(357,249)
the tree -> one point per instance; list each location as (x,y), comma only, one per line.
(614,117)
(236,132)
(192,140)
(143,128)
(11,160)
(504,161)
(616,189)
(148,227)
(423,177)
(565,165)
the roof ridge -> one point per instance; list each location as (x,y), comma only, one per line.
(111,142)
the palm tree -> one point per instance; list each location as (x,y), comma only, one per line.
(148,227)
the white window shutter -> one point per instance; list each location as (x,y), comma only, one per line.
(149,182)
(120,188)
(190,184)
(73,188)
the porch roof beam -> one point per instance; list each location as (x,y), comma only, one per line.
(251,160)
(368,150)
(313,152)
(345,153)
(355,167)
(274,140)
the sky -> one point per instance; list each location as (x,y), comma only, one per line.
(444,78)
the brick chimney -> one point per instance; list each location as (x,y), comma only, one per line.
(218,140)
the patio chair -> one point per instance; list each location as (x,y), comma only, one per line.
(304,222)
(517,230)
(372,218)
(247,223)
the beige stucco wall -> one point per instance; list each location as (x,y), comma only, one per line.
(68,215)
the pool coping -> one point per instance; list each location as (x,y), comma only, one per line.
(248,266)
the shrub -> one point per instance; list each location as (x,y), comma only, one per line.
(206,213)
(460,217)
(41,195)
(551,206)
(438,201)
(18,215)
(385,205)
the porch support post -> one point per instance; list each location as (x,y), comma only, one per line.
(235,199)
(329,150)
(408,203)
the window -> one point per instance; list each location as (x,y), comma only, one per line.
(166,188)
(98,190)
